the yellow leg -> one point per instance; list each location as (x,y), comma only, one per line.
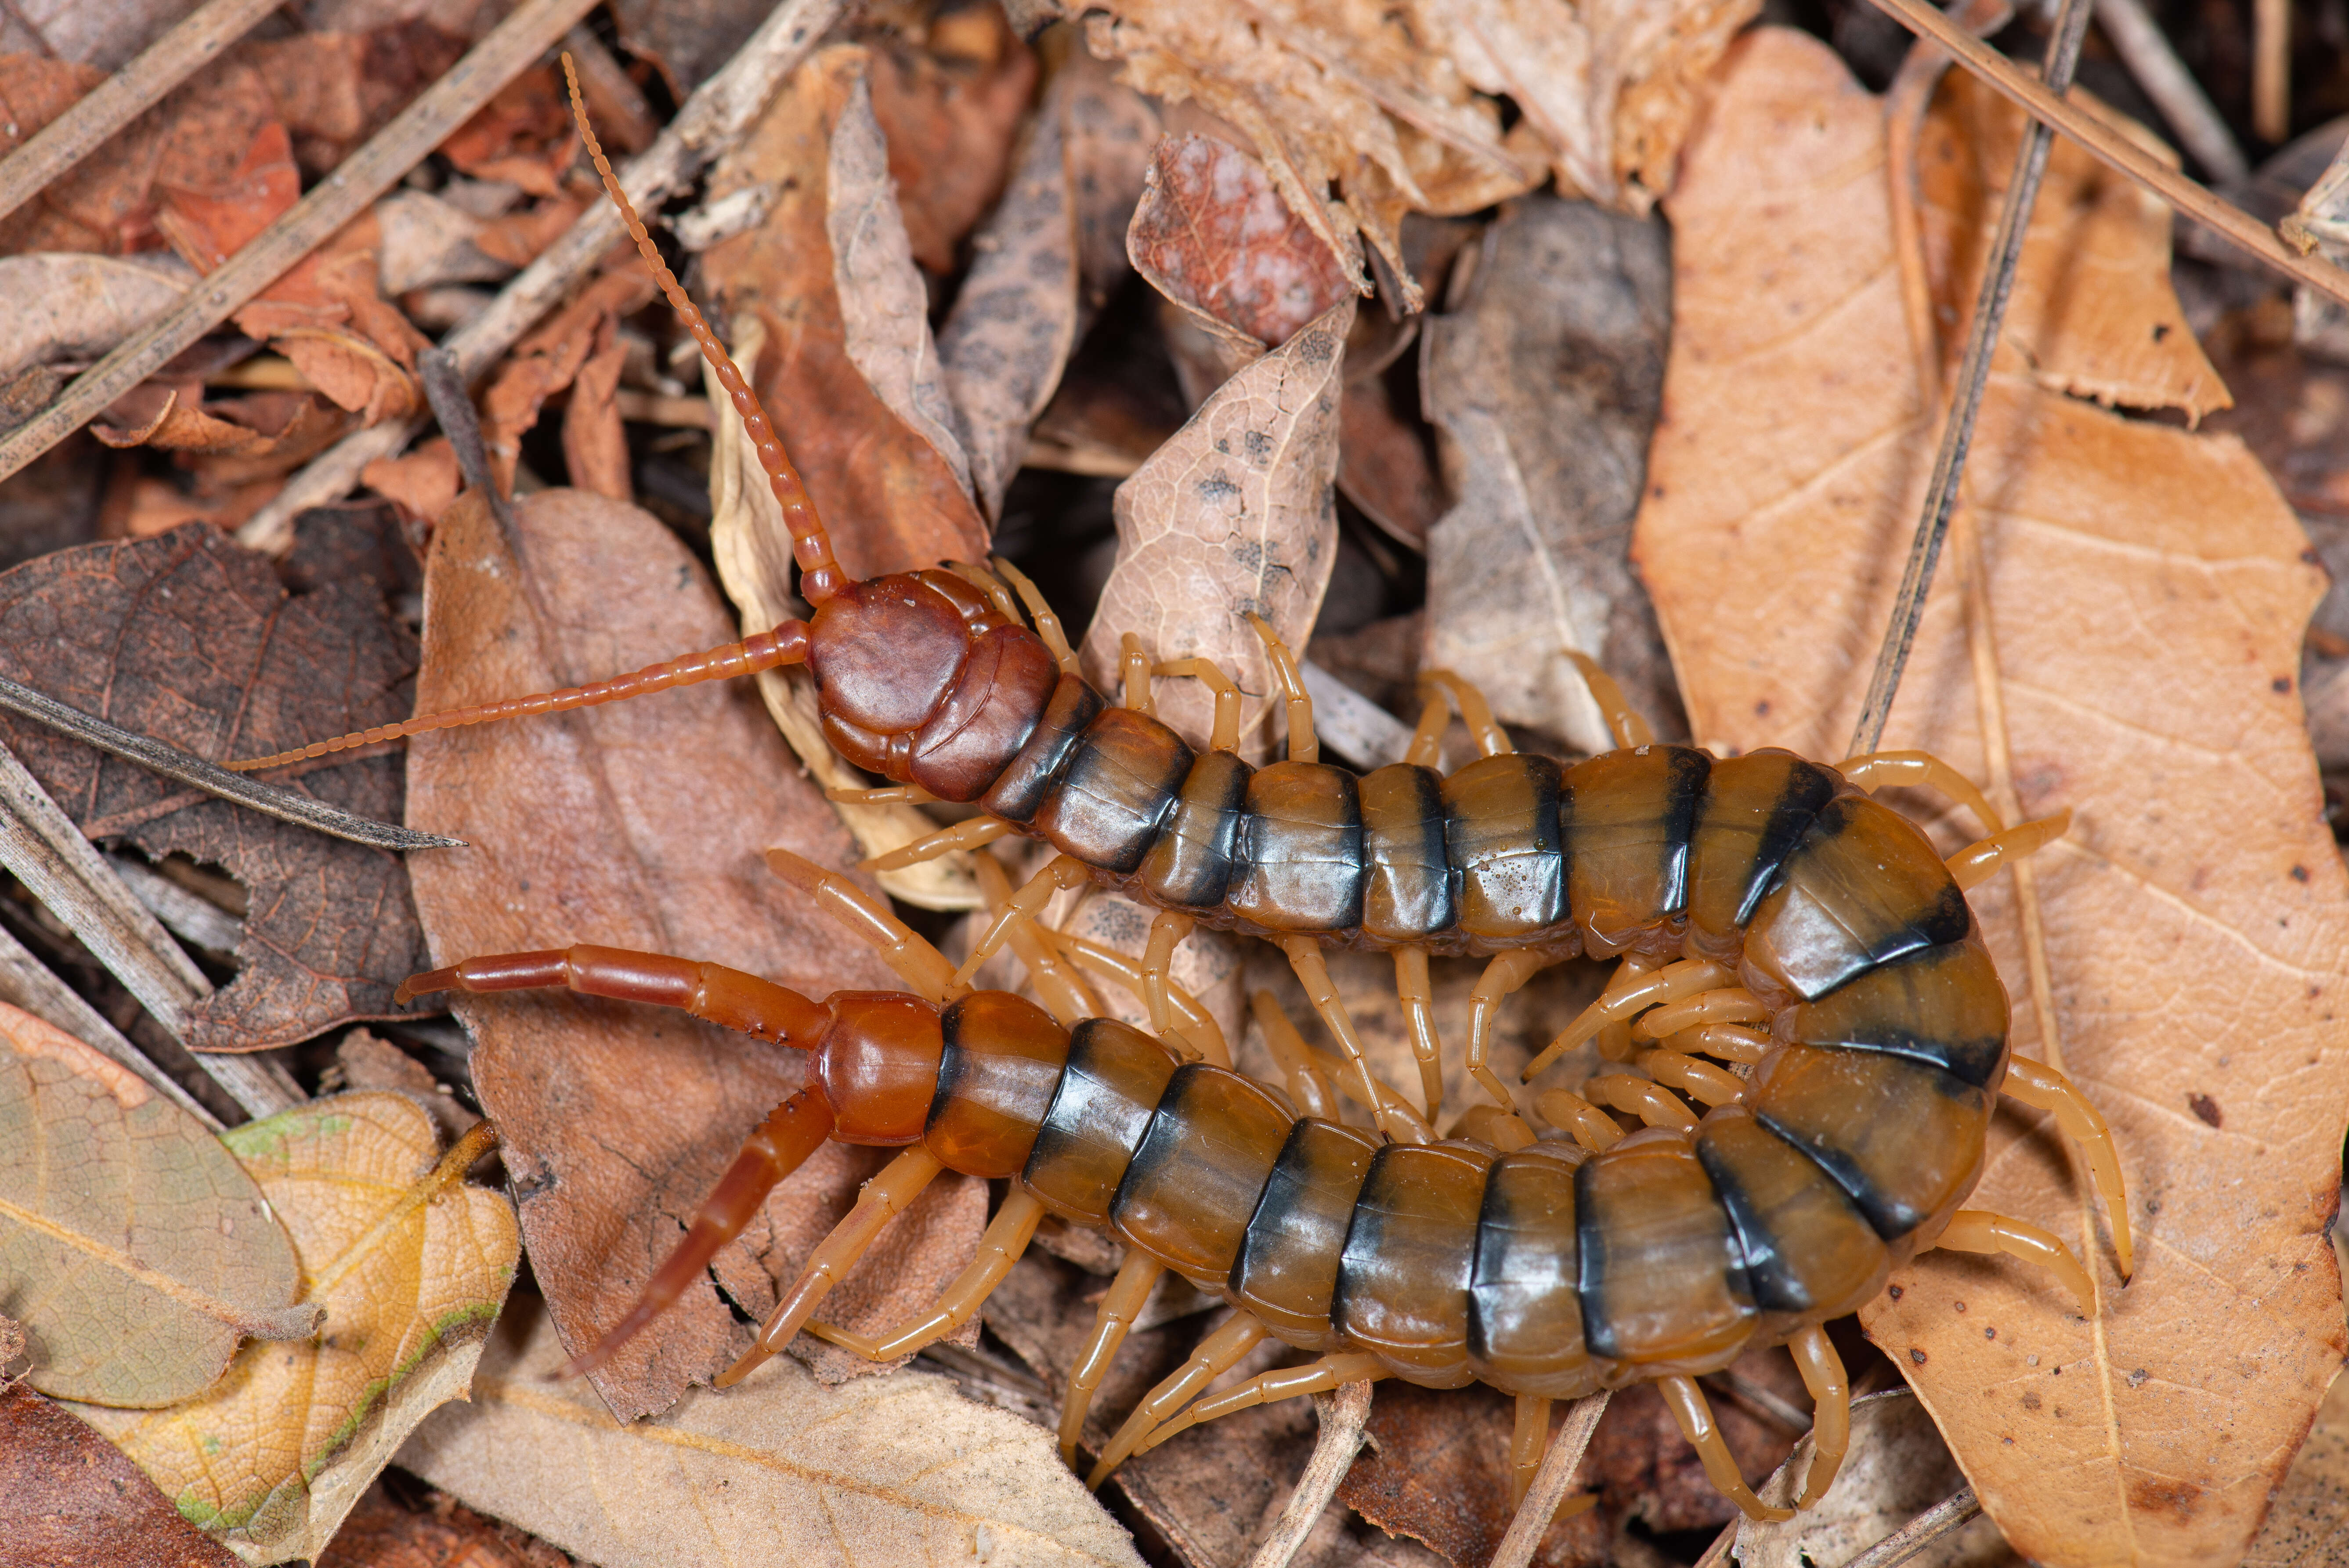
(1730,1042)
(922,966)
(1526,1445)
(1307,1090)
(1630,994)
(1649,1102)
(1207,672)
(1166,934)
(1193,1024)
(1823,1374)
(988,583)
(1048,625)
(1060,873)
(1119,1308)
(969,835)
(1289,1383)
(884,1199)
(1412,991)
(2037,1085)
(1702,1080)
(1977,863)
(1057,986)
(1628,728)
(1920,769)
(1730,1005)
(1217,1353)
(1390,1115)
(1427,741)
(1304,745)
(1503,975)
(895,795)
(1694,1416)
(1504,1129)
(1590,1127)
(1136,666)
(1006,1236)
(1979,1230)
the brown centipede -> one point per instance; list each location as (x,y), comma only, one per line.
(1840,1139)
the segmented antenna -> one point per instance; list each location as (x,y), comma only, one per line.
(821,576)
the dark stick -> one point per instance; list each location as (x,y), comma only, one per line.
(1950,1513)
(452,406)
(174,763)
(1973,371)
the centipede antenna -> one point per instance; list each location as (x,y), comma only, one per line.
(821,576)
(1965,405)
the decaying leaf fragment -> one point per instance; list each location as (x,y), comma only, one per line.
(133,1250)
(778,1471)
(68,304)
(640,825)
(1544,385)
(409,1264)
(73,1499)
(2308,1523)
(1897,1468)
(2146,591)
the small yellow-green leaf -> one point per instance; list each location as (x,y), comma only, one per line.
(410,1264)
(133,1249)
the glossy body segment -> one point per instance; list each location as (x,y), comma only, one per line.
(1116,791)
(1662,1282)
(1524,1307)
(1303,869)
(1410,1258)
(1626,818)
(1502,837)
(999,1065)
(1195,1183)
(1192,864)
(1903,1140)
(1037,766)
(1286,1271)
(1943,1005)
(1407,895)
(1101,1110)
(1808,1250)
(1862,888)
(881,1061)
(1752,812)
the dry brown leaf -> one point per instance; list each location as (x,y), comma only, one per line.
(421,483)
(1235,516)
(2308,1523)
(1898,1467)
(1438,1471)
(951,111)
(779,1470)
(434,1531)
(639,825)
(76,306)
(72,1500)
(132,1249)
(1543,387)
(197,642)
(411,1265)
(893,501)
(2093,313)
(426,241)
(523,136)
(2147,590)
(550,358)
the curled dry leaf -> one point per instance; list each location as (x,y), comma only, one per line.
(1898,1467)
(132,1249)
(554,356)
(894,502)
(195,641)
(640,825)
(69,305)
(780,1470)
(2146,589)
(951,111)
(411,1265)
(1544,387)
(75,1500)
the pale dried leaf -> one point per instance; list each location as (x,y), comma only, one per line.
(133,1250)
(1897,1468)
(883,303)
(1544,388)
(1235,516)
(428,241)
(2308,1523)
(2149,589)
(271,1459)
(779,1470)
(74,306)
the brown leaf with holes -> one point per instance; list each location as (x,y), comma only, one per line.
(1439,1472)
(639,825)
(1543,385)
(192,639)
(75,1500)
(2145,589)
(893,499)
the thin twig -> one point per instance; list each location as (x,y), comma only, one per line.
(1556,1474)
(452,406)
(1953,1512)
(715,118)
(153,755)
(2138,38)
(1343,1414)
(1965,404)
(124,96)
(2271,69)
(42,847)
(2114,148)
(334,202)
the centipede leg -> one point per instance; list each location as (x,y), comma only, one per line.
(2041,1086)
(1622,721)
(1526,1445)
(1571,1113)
(971,835)
(1271,1389)
(1630,992)
(1207,672)
(1390,1116)
(1412,991)
(712,992)
(1166,934)
(1427,741)
(1823,1375)
(1979,1230)
(1217,1355)
(1060,873)
(922,966)
(1006,1238)
(1048,625)
(1059,986)
(1304,745)
(1694,1418)
(1307,1090)
(1136,664)
(1892,769)
(1119,1308)
(1502,977)
(1977,863)
(883,1198)
(1194,1026)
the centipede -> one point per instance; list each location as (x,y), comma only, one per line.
(1816,1033)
